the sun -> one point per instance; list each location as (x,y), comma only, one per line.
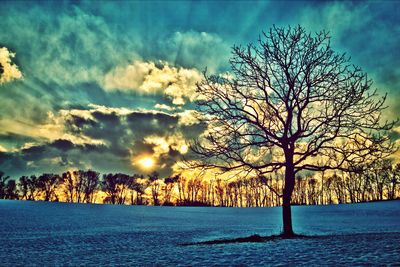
(146,162)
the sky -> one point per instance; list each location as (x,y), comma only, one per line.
(110,85)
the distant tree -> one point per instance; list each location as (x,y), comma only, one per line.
(139,185)
(33,188)
(132,186)
(168,189)
(69,186)
(181,188)
(394,181)
(11,190)
(124,182)
(154,179)
(328,188)
(300,191)
(379,173)
(23,184)
(80,186)
(312,191)
(288,100)
(193,187)
(117,187)
(220,192)
(3,184)
(90,181)
(109,185)
(47,184)
(386,174)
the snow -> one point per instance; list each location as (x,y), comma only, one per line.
(39,233)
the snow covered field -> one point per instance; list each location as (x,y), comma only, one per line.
(39,233)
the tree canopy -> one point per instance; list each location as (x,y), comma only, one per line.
(290,102)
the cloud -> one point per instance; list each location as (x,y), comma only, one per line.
(178,84)
(100,137)
(164,107)
(51,129)
(129,77)
(8,70)
(63,46)
(163,144)
(189,117)
(2,149)
(63,53)
(200,50)
(66,53)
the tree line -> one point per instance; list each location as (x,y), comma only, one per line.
(377,181)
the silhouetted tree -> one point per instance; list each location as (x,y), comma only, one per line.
(220,192)
(69,186)
(139,185)
(11,190)
(47,183)
(80,186)
(168,189)
(377,180)
(33,188)
(90,180)
(109,185)
(288,99)
(117,187)
(124,182)
(23,184)
(181,188)
(3,183)
(394,181)
(155,187)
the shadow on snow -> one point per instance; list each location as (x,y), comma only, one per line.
(262,239)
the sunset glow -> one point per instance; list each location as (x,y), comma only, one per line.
(146,163)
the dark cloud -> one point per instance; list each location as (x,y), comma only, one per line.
(143,124)
(121,137)
(56,156)
(11,140)
(63,145)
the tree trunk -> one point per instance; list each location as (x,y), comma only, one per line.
(393,193)
(287,195)
(287,217)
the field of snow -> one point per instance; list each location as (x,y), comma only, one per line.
(39,233)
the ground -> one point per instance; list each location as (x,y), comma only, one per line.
(39,233)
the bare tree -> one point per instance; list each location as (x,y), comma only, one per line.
(8,187)
(69,186)
(47,183)
(80,186)
(33,188)
(155,181)
(91,183)
(138,186)
(23,183)
(11,190)
(3,184)
(394,181)
(168,189)
(288,101)
(116,186)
